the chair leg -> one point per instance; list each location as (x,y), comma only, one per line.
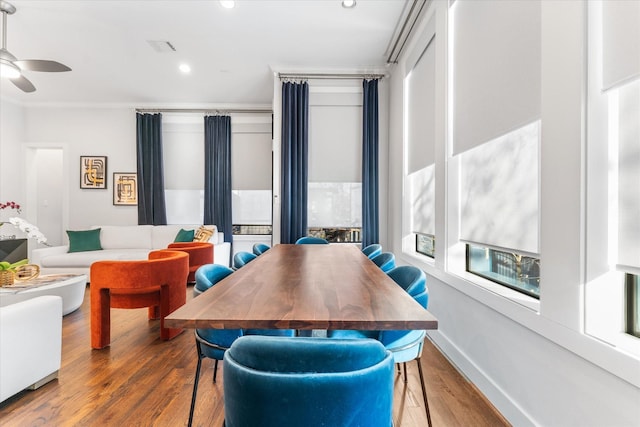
(424,391)
(404,365)
(195,384)
(215,370)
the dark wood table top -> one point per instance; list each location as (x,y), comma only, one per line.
(305,287)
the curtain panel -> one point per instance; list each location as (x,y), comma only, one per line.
(295,153)
(370,216)
(217,174)
(151,200)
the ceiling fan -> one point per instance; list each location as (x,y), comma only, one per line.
(11,67)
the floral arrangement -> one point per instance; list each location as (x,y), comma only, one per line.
(11,205)
(32,231)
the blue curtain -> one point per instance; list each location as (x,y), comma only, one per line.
(370,218)
(217,174)
(151,204)
(295,147)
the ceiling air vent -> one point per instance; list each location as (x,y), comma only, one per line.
(161,46)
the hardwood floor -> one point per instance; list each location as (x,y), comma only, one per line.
(142,381)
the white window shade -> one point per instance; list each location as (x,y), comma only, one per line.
(620,42)
(422,199)
(420,95)
(335,143)
(629,175)
(251,161)
(499,187)
(496,69)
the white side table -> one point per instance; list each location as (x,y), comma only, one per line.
(71,287)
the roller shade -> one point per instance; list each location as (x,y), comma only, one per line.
(629,175)
(620,42)
(496,69)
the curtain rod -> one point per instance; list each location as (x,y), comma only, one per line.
(204,110)
(336,76)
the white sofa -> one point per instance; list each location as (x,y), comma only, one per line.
(122,242)
(30,344)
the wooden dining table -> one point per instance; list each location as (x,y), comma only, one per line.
(331,286)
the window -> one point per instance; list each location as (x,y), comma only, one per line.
(516,271)
(334,205)
(633,304)
(426,244)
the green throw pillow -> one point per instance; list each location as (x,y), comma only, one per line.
(81,241)
(184,235)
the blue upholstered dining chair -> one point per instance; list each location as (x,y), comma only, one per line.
(212,343)
(241,258)
(260,248)
(386,261)
(208,275)
(372,250)
(274,381)
(310,240)
(404,345)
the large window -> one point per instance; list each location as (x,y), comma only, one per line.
(420,135)
(334,207)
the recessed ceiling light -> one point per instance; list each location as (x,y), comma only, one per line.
(227,4)
(348,4)
(185,68)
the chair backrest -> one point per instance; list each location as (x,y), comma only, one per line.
(240,259)
(310,240)
(407,345)
(208,275)
(260,248)
(278,381)
(372,250)
(413,281)
(386,261)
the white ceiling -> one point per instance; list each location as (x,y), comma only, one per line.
(232,53)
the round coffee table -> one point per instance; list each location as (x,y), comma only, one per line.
(71,287)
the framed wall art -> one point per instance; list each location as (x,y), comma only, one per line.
(125,188)
(93,172)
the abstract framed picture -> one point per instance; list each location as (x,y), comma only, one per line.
(93,172)
(125,188)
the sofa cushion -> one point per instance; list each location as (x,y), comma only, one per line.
(85,240)
(84,259)
(184,236)
(127,236)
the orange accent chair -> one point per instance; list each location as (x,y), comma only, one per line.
(157,283)
(200,253)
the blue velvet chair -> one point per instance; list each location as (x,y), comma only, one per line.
(404,345)
(240,259)
(260,248)
(372,250)
(309,240)
(386,261)
(208,275)
(212,343)
(273,381)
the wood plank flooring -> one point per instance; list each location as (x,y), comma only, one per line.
(142,381)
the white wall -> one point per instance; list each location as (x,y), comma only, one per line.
(534,364)
(88,131)
(12,186)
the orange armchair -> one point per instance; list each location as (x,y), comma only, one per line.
(157,283)
(200,253)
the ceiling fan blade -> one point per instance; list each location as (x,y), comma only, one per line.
(24,84)
(41,65)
